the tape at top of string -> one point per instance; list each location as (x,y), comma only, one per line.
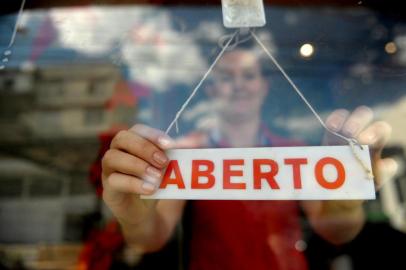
(243,13)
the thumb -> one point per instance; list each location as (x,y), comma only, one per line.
(385,170)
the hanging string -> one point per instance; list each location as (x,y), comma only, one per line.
(235,36)
(238,40)
(179,113)
(351,141)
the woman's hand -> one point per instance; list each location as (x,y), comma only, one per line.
(340,221)
(133,166)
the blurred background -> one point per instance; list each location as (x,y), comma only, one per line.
(79,71)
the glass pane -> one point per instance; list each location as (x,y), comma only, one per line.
(74,74)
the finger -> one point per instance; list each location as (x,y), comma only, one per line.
(335,122)
(376,135)
(117,161)
(385,171)
(118,182)
(357,121)
(158,137)
(311,208)
(140,147)
(191,141)
(336,119)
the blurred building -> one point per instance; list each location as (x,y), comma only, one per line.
(16,89)
(71,101)
(50,122)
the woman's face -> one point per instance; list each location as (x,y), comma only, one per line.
(238,85)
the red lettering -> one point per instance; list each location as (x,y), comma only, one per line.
(269,176)
(320,176)
(228,173)
(173,166)
(296,163)
(197,173)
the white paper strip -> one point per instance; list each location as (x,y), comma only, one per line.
(276,173)
(243,13)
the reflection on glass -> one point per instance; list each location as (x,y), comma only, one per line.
(77,76)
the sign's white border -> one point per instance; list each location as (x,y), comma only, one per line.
(356,185)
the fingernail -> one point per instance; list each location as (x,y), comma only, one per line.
(154,173)
(148,187)
(160,158)
(371,138)
(351,129)
(152,180)
(393,167)
(164,141)
(334,126)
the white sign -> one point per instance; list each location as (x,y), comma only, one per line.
(275,173)
(243,13)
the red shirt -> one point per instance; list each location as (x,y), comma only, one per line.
(246,234)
